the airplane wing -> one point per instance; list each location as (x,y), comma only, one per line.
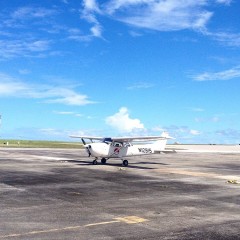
(140,138)
(87,137)
(163,136)
(125,139)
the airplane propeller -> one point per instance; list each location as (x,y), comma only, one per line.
(87,147)
(88,150)
(84,143)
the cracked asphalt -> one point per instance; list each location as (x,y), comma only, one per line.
(58,194)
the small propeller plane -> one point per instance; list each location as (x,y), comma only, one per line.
(121,147)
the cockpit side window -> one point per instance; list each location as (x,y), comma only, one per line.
(117,144)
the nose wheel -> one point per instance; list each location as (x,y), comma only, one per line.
(125,163)
(95,162)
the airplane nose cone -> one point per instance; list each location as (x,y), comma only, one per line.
(88,150)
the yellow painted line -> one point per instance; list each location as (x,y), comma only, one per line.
(132,219)
(128,220)
(74,193)
(101,223)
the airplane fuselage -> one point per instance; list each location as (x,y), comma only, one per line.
(118,150)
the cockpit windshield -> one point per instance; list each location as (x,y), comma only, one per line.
(107,140)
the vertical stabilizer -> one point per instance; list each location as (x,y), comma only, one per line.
(159,145)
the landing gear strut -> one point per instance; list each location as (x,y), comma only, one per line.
(125,163)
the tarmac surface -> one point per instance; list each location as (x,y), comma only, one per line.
(58,194)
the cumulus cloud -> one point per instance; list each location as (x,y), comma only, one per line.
(12,87)
(221,75)
(123,123)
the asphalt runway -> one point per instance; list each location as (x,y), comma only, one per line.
(58,194)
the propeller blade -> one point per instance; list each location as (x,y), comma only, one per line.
(88,150)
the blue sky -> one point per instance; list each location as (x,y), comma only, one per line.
(120,67)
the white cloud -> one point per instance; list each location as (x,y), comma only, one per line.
(90,8)
(38,46)
(233,134)
(23,13)
(23,48)
(96,30)
(63,113)
(123,123)
(195,132)
(24,71)
(212,119)
(140,85)
(90,5)
(222,75)
(215,119)
(227,2)
(50,132)
(68,113)
(68,97)
(197,109)
(226,38)
(135,34)
(183,133)
(11,87)
(161,15)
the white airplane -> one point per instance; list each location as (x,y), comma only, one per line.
(120,147)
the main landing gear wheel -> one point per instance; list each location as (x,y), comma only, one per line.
(125,163)
(103,160)
(94,162)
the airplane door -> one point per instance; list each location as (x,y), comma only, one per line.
(117,150)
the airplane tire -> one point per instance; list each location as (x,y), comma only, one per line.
(103,160)
(125,163)
(94,162)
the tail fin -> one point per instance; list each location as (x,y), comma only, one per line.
(159,145)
